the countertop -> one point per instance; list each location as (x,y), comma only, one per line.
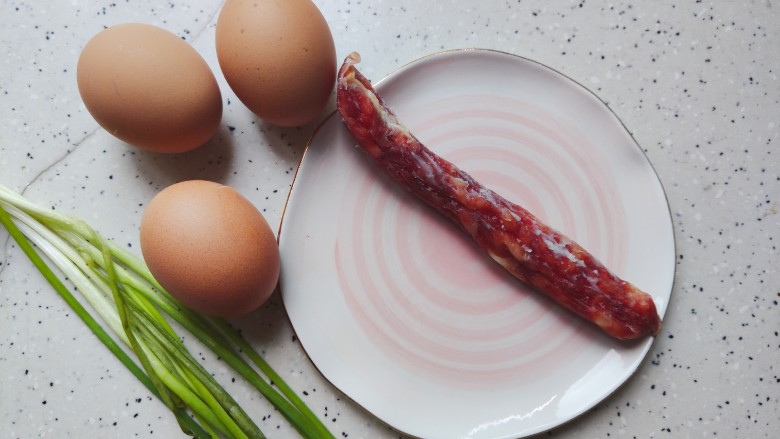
(696,83)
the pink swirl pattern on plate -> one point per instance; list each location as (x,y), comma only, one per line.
(425,295)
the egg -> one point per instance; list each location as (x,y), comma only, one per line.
(210,248)
(149,88)
(278,57)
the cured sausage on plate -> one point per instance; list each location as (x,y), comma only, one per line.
(530,250)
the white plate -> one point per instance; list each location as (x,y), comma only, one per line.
(406,316)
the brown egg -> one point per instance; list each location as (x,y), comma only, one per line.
(149,88)
(278,57)
(210,248)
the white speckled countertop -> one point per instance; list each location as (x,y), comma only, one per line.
(696,82)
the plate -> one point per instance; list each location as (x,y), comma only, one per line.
(405,315)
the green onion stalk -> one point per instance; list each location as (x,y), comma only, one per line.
(135,308)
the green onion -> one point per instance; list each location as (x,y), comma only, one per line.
(135,307)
